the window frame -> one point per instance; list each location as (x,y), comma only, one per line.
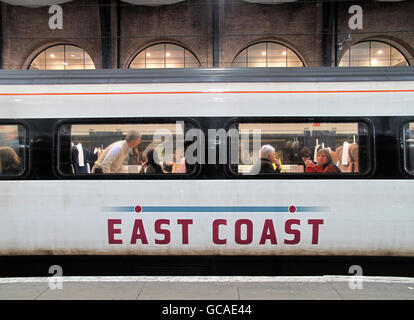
(403,150)
(64,48)
(370,153)
(164,63)
(188,124)
(266,43)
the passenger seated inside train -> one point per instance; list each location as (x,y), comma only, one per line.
(305,155)
(267,162)
(9,161)
(324,164)
(151,166)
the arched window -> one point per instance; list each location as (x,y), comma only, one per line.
(62,57)
(164,55)
(373,54)
(267,54)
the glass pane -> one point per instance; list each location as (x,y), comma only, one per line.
(174,56)
(276,55)
(74,58)
(190,60)
(409,147)
(139,61)
(256,55)
(39,63)
(155,56)
(397,59)
(293,60)
(88,62)
(302,148)
(360,56)
(241,60)
(55,58)
(380,54)
(12,142)
(345,60)
(155,148)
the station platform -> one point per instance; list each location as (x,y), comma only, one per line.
(207,288)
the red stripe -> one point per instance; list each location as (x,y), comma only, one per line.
(198,92)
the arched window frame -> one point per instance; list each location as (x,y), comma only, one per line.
(370,41)
(165,43)
(267,42)
(64,44)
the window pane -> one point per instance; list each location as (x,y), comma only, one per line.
(155,56)
(190,60)
(293,60)
(409,147)
(74,58)
(139,61)
(88,62)
(296,148)
(276,55)
(397,59)
(174,56)
(345,60)
(55,58)
(12,142)
(360,55)
(256,55)
(380,54)
(241,60)
(156,148)
(39,63)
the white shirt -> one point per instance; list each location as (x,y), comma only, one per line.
(110,161)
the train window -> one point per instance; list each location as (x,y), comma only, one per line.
(408,134)
(123,148)
(12,142)
(301,148)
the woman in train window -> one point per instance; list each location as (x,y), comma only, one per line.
(267,157)
(324,164)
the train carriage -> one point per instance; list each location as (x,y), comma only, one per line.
(55,125)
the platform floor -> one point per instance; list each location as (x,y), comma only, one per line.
(208,288)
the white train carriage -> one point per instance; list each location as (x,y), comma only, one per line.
(52,204)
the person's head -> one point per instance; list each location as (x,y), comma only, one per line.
(305,154)
(323,157)
(9,160)
(267,152)
(133,138)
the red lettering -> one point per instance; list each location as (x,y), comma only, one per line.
(295,232)
(185,223)
(138,233)
(268,232)
(249,231)
(216,224)
(112,231)
(165,232)
(315,229)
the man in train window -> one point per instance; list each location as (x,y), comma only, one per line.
(112,158)
(267,162)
